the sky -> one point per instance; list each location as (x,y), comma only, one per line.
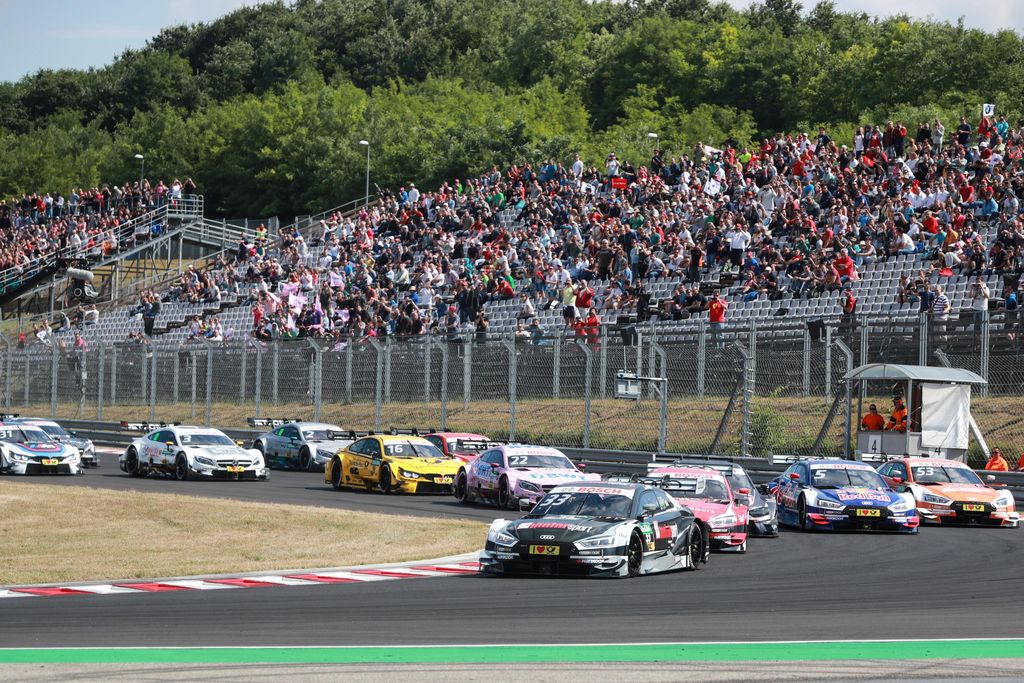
(53,34)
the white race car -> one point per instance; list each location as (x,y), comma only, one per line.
(191,453)
(25,449)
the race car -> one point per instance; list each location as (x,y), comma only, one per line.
(515,472)
(392,464)
(463,446)
(762,518)
(307,446)
(949,492)
(841,494)
(707,494)
(598,529)
(191,453)
(55,431)
(25,449)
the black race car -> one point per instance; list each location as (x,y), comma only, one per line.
(598,529)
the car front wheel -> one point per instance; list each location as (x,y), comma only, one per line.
(181,472)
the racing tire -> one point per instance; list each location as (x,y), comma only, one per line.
(634,555)
(336,474)
(802,513)
(181,472)
(305,460)
(696,549)
(504,496)
(385,479)
(258,445)
(132,463)
(461,488)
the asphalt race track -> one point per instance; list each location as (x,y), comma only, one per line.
(942,583)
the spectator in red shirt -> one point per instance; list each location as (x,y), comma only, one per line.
(716,314)
(584,296)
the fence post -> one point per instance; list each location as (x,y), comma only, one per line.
(177,372)
(427,369)
(388,350)
(467,372)
(318,372)
(7,372)
(986,339)
(258,393)
(208,418)
(54,371)
(100,371)
(349,351)
(556,367)
(807,362)
(865,332)
(277,369)
(152,383)
(588,354)
(922,341)
(510,346)
(828,363)
(848,429)
(444,385)
(702,357)
(662,398)
(378,393)
(28,379)
(192,365)
(242,373)
(603,363)
(748,394)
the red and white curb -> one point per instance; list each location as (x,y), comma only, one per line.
(416,570)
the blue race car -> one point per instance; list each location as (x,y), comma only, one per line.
(841,494)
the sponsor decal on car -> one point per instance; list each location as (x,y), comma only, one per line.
(842,466)
(628,493)
(866,494)
(555,525)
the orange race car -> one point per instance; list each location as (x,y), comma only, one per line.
(950,492)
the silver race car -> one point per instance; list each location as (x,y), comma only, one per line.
(598,529)
(56,432)
(25,449)
(307,446)
(190,453)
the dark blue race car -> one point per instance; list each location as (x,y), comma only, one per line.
(841,494)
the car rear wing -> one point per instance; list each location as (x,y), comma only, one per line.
(268,421)
(4,417)
(145,426)
(411,431)
(342,435)
(873,457)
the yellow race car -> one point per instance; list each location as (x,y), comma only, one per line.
(393,464)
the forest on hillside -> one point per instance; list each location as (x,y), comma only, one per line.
(265,106)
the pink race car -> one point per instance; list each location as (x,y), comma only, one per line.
(707,494)
(510,473)
(460,445)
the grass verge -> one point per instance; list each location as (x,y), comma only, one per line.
(51,534)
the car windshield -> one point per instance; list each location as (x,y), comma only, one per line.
(23,435)
(321,434)
(54,430)
(700,488)
(835,477)
(548,462)
(408,449)
(205,440)
(739,481)
(584,505)
(928,474)
(467,446)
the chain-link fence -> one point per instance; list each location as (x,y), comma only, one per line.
(756,391)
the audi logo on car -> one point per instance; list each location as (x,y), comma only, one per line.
(547,537)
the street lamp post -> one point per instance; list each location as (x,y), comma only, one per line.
(653,136)
(142,169)
(366,198)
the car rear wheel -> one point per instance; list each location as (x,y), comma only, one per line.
(336,474)
(462,487)
(305,460)
(635,555)
(385,479)
(695,550)
(181,472)
(504,495)
(132,463)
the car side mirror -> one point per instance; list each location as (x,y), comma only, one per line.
(494,465)
(581,466)
(990,477)
(525,505)
(794,476)
(73,434)
(743,492)
(650,509)
(897,480)
(170,445)
(763,489)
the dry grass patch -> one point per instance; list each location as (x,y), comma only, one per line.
(70,533)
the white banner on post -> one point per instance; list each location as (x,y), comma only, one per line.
(988,110)
(945,415)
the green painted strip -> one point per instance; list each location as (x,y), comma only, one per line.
(682,652)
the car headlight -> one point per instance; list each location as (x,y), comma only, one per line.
(89,447)
(205,461)
(596,542)
(902,506)
(1003,500)
(529,486)
(502,537)
(827,504)
(324,455)
(18,457)
(728,519)
(759,512)
(935,500)
(72,458)
(406,474)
